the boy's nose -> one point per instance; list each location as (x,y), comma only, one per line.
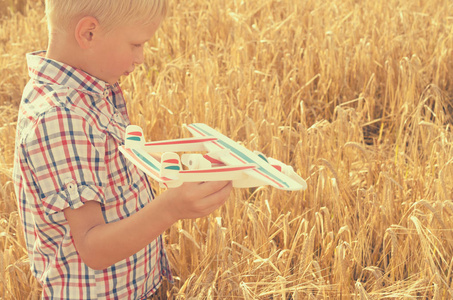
(140,58)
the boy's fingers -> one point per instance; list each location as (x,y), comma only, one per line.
(211,187)
(219,197)
(199,199)
(200,190)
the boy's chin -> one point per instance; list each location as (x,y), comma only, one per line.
(112,81)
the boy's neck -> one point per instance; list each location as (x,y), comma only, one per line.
(63,49)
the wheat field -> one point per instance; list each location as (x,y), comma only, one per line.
(356,95)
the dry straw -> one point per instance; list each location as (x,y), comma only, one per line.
(354,94)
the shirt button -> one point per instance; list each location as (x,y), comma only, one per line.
(106,93)
(72,188)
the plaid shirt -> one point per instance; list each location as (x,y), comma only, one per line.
(69,128)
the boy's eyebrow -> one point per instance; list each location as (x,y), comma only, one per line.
(142,39)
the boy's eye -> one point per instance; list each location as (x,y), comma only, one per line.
(137,45)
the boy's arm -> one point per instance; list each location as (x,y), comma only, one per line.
(100,245)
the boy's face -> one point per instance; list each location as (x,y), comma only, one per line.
(118,51)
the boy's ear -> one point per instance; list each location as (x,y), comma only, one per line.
(85,30)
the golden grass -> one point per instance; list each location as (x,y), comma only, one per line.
(354,94)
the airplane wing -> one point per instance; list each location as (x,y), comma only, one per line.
(145,162)
(237,154)
(178,145)
(171,168)
(168,172)
(215,174)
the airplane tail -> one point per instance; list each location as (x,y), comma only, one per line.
(288,171)
(134,137)
(170,165)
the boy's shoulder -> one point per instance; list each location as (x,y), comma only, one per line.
(58,76)
(57,91)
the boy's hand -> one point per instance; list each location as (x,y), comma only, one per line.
(195,200)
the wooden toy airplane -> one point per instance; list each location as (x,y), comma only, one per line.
(225,160)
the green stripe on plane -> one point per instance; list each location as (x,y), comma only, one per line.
(242,155)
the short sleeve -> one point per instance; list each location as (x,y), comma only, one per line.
(65,155)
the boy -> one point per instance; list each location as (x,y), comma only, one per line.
(92,231)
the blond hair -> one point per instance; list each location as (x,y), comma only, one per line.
(109,13)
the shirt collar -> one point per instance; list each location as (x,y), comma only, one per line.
(47,70)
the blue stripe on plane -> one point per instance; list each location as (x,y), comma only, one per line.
(177,168)
(146,160)
(243,156)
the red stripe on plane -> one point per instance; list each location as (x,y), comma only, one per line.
(194,128)
(213,160)
(238,158)
(219,170)
(171,161)
(140,162)
(256,169)
(279,168)
(147,167)
(179,142)
(135,133)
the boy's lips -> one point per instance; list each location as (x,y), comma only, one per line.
(128,72)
